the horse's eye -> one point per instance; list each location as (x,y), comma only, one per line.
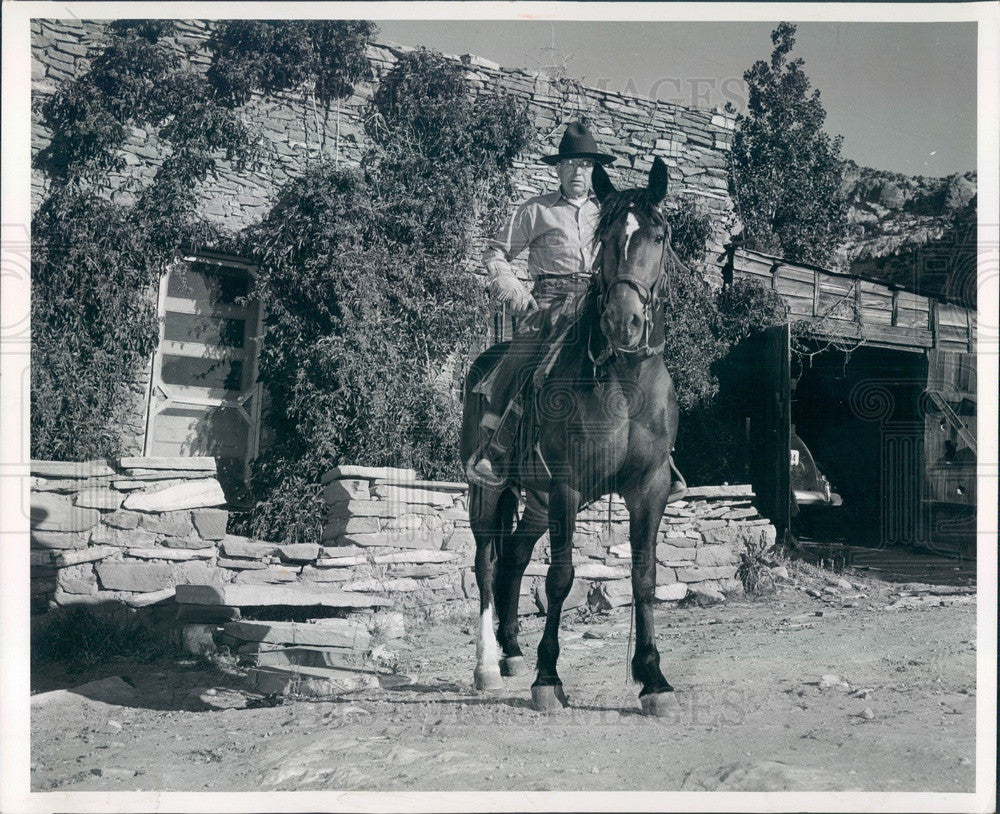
(659,239)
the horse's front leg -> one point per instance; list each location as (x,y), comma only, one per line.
(564,501)
(487,527)
(646,505)
(515,554)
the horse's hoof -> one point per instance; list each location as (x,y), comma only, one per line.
(549,698)
(660,704)
(513,666)
(487,678)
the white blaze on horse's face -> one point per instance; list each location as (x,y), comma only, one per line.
(631,227)
(624,318)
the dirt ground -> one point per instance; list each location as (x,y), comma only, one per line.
(867,686)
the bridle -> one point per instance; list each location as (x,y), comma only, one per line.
(648,296)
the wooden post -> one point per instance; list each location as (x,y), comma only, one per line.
(815,293)
(729,266)
(895,307)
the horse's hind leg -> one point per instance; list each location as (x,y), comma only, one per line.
(564,501)
(515,554)
(645,507)
(485,523)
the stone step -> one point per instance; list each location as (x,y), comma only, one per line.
(153,477)
(357,629)
(343,658)
(346,633)
(200,464)
(206,614)
(308,681)
(249,595)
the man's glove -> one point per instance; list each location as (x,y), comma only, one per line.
(509,291)
(522,305)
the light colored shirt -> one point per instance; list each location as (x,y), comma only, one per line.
(558,235)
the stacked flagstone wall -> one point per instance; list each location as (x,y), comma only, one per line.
(694,142)
(388,514)
(128,530)
(135,529)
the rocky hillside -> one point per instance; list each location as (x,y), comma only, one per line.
(918,232)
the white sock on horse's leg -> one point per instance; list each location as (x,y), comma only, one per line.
(487,675)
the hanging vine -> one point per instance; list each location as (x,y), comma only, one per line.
(368,294)
(810,338)
(97,258)
(109,226)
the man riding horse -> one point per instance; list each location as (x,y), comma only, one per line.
(558,230)
(604,414)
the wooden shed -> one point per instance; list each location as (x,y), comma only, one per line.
(880,382)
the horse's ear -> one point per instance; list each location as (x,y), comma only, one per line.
(657,182)
(601,183)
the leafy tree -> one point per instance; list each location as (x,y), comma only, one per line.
(785,173)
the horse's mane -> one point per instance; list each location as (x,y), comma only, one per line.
(618,204)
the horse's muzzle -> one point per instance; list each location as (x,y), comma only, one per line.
(624,334)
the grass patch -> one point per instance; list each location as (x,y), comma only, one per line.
(87,635)
(755,569)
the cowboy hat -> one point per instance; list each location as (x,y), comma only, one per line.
(578,143)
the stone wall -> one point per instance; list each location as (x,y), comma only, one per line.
(419,531)
(693,142)
(128,530)
(294,133)
(134,530)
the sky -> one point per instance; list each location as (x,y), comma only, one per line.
(903,95)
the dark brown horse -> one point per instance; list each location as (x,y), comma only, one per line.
(606,415)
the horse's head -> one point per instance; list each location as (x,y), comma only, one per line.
(634,237)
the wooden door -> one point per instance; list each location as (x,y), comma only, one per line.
(204,399)
(950,451)
(769,420)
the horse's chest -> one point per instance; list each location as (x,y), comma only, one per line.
(586,423)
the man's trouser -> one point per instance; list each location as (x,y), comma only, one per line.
(557,300)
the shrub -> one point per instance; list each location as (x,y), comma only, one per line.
(714,322)
(85,635)
(754,570)
(746,308)
(702,324)
(368,295)
(91,327)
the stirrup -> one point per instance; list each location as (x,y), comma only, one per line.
(479,471)
(679,487)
